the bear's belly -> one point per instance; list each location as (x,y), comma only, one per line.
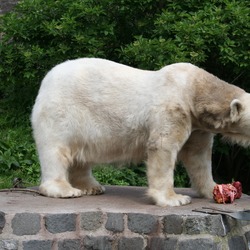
(115,150)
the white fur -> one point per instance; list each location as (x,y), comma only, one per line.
(91,111)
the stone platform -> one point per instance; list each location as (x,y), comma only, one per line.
(121,219)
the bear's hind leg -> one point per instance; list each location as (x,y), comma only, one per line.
(196,156)
(80,176)
(55,163)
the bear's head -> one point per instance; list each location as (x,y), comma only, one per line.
(238,130)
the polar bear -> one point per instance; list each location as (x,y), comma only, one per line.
(90,111)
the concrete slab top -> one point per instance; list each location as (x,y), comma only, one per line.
(116,199)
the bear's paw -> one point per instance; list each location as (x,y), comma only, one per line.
(59,189)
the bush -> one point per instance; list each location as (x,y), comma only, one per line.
(127,176)
(211,34)
(18,158)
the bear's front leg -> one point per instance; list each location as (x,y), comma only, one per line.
(171,128)
(196,155)
(160,173)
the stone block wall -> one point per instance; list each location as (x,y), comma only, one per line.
(98,230)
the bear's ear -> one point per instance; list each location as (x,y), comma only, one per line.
(235,110)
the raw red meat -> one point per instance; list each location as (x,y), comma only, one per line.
(238,186)
(224,193)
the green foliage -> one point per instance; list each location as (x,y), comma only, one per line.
(128,176)
(212,34)
(18,158)
(181,178)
